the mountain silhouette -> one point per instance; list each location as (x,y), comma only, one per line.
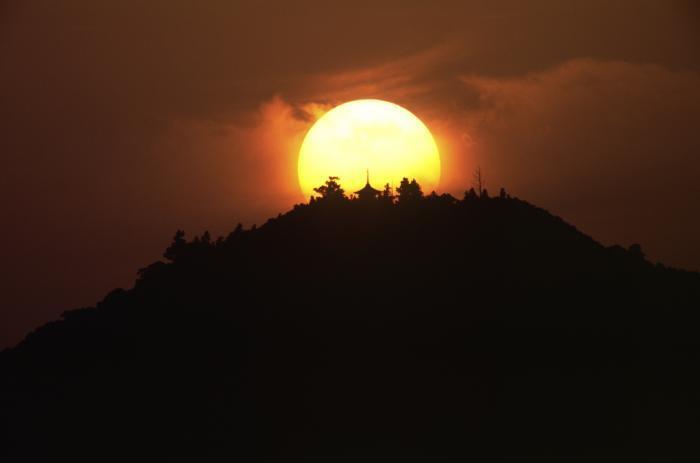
(416,328)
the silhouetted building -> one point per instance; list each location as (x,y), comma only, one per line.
(367,192)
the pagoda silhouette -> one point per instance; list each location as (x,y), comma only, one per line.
(367,192)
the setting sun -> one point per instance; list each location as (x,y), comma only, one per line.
(373,135)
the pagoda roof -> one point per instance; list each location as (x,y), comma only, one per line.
(367,189)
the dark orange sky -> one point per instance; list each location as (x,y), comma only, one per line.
(123,121)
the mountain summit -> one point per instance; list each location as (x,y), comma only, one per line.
(421,328)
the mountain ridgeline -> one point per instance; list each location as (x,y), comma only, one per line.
(384,328)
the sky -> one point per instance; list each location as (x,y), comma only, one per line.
(123,121)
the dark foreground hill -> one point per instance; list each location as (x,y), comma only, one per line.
(431,330)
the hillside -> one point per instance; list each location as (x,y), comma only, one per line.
(434,329)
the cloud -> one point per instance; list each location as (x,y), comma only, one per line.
(401,79)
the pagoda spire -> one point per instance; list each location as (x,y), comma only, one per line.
(368,192)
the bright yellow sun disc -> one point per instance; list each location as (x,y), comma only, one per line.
(373,135)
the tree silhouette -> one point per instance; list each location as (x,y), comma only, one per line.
(331,189)
(470,194)
(235,233)
(636,252)
(387,194)
(409,192)
(178,244)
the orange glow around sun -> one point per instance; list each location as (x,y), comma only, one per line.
(368,134)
